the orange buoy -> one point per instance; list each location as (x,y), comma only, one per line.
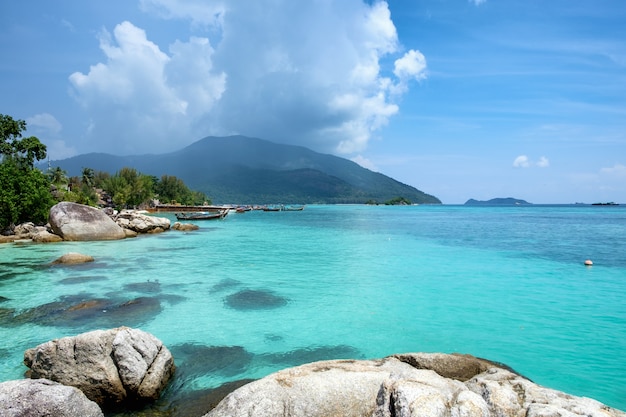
(588,262)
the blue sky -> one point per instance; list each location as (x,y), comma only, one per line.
(459,98)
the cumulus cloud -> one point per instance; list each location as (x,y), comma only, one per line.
(45,125)
(44,122)
(142,92)
(411,65)
(365,163)
(543,162)
(523,161)
(306,73)
(58,149)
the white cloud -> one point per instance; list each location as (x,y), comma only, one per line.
(269,72)
(48,129)
(44,122)
(411,65)
(477,2)
(617,171)
(365,163)
(543,162)
(200,12)
(141,92)
(58,149)
(521,162)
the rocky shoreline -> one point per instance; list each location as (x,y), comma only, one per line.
(109,371)
(77,222)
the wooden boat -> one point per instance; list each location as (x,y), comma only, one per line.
(293,208)
(202,215)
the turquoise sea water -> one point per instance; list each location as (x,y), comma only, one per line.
(261,291)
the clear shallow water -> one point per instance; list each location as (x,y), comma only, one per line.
(262,291)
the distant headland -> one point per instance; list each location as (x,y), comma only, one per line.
(508,201)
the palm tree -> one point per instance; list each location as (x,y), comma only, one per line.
(57,176)
(88,177)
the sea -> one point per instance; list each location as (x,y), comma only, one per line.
(257,292)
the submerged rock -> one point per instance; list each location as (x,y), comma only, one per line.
(72,258)
(255,300)
(42,397)
(196,360)
(409,385)
(185,227)
(81,309)
(111,367)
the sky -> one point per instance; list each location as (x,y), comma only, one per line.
(458,98)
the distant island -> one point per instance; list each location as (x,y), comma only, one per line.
(509,201)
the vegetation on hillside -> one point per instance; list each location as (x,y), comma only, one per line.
(242,170)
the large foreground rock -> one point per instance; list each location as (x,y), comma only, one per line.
(112,367)
(42,397)
(77,222)
(409,385)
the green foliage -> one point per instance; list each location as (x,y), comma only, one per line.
(24,190)
(58,177)
(130,188)
(23,151)
(170,189)
(398,201)
(24,195)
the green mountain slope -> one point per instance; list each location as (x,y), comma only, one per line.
(244,170)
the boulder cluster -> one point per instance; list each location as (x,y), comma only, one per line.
(77,222)
(407,385)
(80,375)
(75,376)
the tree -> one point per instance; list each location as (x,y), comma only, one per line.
(24,151)
(24,191)
(58,176)
(171,188)
(88,176)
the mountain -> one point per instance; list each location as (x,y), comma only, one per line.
(509,201)
(243,170)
